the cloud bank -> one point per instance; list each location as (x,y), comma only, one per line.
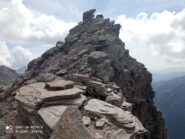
(17,56)
(162,33)
(21,26)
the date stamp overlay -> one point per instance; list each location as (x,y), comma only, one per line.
(24,129)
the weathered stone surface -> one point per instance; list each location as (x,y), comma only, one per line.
(114,99)
(99,16)
(45,77)
(78,101)
(88,15)
(59,85)
(100,88)
(120,117)
(101,122)
(96,57)
(59,44)
(2,88)
(83,78)
(61,72)
(35,94)
(51,115)
(86,120)
(127,106)
(70,126)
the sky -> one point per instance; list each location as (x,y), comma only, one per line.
(153,31)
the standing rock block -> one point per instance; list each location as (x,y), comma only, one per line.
(88,15)
(70,126)
(51,115)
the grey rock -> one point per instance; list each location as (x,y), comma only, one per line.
(101,122)
(59,44)
(99,16)
(96,57)
(100,88)
(51,115)
(86,120)
(70,126)
(114,99)
(35,94)
(45,77)
(88,15)
(127,106)
(59,85)
(120,117)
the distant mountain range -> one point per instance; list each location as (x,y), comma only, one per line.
(167,74)
(170,98)
(7,75)
(21,70)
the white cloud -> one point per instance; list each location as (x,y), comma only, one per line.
(5,56)
(161,37)
(19,24)
(15,57)
(22,27)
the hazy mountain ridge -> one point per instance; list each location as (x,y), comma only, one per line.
(21,70)
(7,75)
(170,98)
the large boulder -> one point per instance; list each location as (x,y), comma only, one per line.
(70,126)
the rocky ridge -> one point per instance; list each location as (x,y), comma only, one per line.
(88,87)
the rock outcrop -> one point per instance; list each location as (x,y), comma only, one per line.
(88,87)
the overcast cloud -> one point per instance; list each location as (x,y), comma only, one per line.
(163,33)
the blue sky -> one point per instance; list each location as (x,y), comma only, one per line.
(152,30)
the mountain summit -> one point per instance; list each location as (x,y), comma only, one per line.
(88,87)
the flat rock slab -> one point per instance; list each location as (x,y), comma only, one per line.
(70,126)
(121,118)
(35,94)
(76,102)
(59,85)
(51,115)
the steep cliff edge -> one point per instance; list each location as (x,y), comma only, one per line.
(93,71)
